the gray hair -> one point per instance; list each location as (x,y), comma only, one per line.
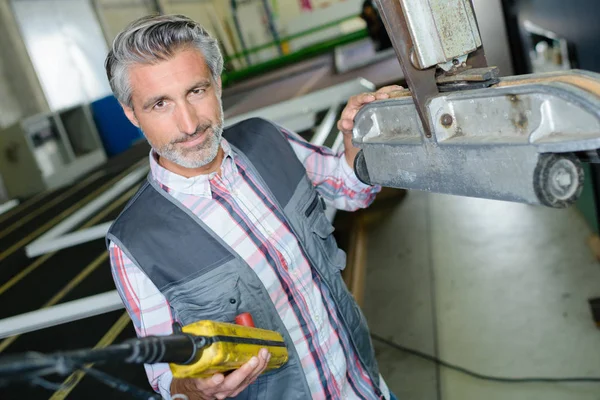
(156,38)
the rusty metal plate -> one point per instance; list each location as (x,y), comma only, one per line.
(420,82)
(471,75)
(441,30)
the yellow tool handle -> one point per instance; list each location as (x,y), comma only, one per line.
(231,346)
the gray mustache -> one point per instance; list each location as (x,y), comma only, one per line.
(199,130)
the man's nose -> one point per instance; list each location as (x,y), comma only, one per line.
(187,120)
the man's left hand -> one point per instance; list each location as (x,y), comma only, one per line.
(355,103)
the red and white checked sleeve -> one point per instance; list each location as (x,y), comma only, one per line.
(331,174)
(148,309)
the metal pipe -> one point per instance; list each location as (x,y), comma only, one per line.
(9,205)
(272,26)
(60,314)
(68,240)
(324,129)
(238,29)
(88,210)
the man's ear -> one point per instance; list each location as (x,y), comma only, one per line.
(130,115)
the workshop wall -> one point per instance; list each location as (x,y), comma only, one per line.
(290,17)
(293,19)
(67,48)
(10,109)
(288,10)
(215,16)
(20,90)
(114,15)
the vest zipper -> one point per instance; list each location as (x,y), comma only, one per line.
(312,206)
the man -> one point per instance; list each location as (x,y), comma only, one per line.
(231,221)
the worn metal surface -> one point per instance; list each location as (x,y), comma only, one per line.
(470,75)
(452,65)
(428,35)
(441,29)
(486,171)
(420,82)
(486,143)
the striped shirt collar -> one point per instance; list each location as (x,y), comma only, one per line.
(196,185)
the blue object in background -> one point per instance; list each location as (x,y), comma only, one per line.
(115,130)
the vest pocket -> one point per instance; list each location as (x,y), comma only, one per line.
(215,298)
(324,236)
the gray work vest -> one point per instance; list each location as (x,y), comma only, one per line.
(204,279)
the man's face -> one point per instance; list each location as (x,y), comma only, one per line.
(177,105)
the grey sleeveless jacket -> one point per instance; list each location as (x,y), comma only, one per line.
(203,278)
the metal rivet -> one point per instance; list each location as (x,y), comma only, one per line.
(446,120)
(232,301)
(456,61)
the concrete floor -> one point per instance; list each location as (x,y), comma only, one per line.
(496,287)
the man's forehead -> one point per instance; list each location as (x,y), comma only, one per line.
(183,60)
(182,69)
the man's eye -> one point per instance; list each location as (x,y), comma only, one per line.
(198,91)
(159,104)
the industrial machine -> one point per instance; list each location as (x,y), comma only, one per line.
(461,129)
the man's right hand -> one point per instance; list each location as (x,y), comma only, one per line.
(220,387)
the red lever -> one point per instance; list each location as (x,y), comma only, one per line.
(245,319)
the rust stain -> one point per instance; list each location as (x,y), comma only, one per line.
(522,122)
(400,93)
(518,116)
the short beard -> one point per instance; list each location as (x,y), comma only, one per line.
(197,156)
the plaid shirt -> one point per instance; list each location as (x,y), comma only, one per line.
(232,205)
